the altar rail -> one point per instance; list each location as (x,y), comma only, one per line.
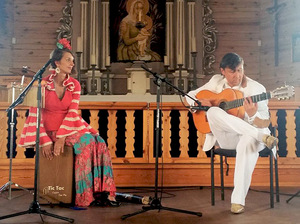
(129,130)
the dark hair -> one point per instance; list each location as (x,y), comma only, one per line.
(231,60)
(57,55)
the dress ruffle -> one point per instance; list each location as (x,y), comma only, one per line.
(68,82)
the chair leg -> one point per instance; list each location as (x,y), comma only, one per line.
(212,178)
(271,181)
(276,179)
(222,178)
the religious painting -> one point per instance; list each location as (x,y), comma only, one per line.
(296,48)
(137,30)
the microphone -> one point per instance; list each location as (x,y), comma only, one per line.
(199,106)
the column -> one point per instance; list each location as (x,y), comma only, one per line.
(192,35)
(181,72)
(94,33)
(180,45)
(105,31)
(83,27)
(169,34)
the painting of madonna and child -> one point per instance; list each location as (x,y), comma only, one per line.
(137,31)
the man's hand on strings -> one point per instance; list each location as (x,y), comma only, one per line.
(250,107)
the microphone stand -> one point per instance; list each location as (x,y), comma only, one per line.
(34,206)
(156,202)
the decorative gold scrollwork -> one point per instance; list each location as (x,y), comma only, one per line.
(209,32)
(65,29)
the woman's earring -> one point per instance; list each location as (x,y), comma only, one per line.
(57,70)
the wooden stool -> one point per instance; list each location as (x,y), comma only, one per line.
(56,178)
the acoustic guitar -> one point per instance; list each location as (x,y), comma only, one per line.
(232,101)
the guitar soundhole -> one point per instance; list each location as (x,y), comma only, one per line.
(222,105)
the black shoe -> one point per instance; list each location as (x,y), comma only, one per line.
(106,203)
(101,199)
(113,203)
(97,203)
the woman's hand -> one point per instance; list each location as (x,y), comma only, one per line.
(59,146)
(250,107)
(48,151)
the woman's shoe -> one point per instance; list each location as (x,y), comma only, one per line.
(104,199)
(106,203)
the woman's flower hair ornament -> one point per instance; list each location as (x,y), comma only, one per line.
(63,43)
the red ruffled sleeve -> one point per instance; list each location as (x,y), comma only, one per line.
(28,136)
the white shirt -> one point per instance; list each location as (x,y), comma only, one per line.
(217,84)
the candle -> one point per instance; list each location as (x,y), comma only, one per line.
(194,44)
(140,16)
(93,59)
(166,61)
(107,62)
(179,59)
(79,44)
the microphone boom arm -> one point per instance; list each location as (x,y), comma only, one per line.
(162,79)
(22,95)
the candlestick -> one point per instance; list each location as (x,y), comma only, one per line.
(180,80)
(105,83)
(78,53)
(79,44)
(93,81)
(140,16)
(195,86)
(166,77)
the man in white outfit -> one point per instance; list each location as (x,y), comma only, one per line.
(248,136)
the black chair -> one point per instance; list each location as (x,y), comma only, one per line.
(224,153)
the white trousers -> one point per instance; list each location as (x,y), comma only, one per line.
(234,133)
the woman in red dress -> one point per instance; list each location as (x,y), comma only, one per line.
(61,125)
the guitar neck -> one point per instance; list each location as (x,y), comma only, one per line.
(240,102)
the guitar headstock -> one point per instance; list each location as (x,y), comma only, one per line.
(283,93)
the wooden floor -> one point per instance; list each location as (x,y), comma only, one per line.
(194,199)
